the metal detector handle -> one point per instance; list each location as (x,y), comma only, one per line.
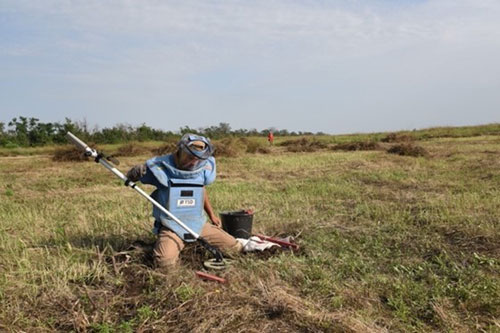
(212,249)
(77,142)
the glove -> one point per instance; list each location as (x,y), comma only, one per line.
(137,172)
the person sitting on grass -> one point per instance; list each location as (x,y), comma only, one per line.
(180,179)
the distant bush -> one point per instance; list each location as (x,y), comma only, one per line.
(69,154)
(11,145)
(165,149)
(131,149)
(294,142)
(229,147)
(303,145)
(254,146)
(25,131)
(263,150)
(353,146)
(408,149)
(398,137)
(29,132)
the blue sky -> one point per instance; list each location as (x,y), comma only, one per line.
(331,66)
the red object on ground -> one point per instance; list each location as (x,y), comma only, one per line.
(279,242)
(211,277)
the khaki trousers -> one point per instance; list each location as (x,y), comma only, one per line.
(169,245)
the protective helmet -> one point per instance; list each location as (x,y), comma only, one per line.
(196,145)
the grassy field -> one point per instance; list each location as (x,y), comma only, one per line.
(389,243)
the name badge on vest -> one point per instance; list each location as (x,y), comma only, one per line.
(186,203)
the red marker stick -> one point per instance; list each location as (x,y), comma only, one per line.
(211,277)
(279,242)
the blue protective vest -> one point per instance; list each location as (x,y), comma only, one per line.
(180,192)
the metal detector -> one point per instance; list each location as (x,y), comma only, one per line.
(108,161)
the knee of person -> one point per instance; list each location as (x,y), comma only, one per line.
(236,248)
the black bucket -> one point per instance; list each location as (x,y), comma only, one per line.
(238,224)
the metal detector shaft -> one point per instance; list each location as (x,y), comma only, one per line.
(99,158)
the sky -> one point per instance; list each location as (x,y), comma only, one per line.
(338,66)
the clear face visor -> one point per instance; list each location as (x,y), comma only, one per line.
(188,161)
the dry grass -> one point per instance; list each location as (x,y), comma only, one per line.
(165,149)
(398,137)
(354,146)
(303,145)
(408,149)
(254,146)
(388,244)
(132,149)
(232,147)
(229,147)
(68,154)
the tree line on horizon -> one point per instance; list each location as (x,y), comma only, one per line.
(29,132)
